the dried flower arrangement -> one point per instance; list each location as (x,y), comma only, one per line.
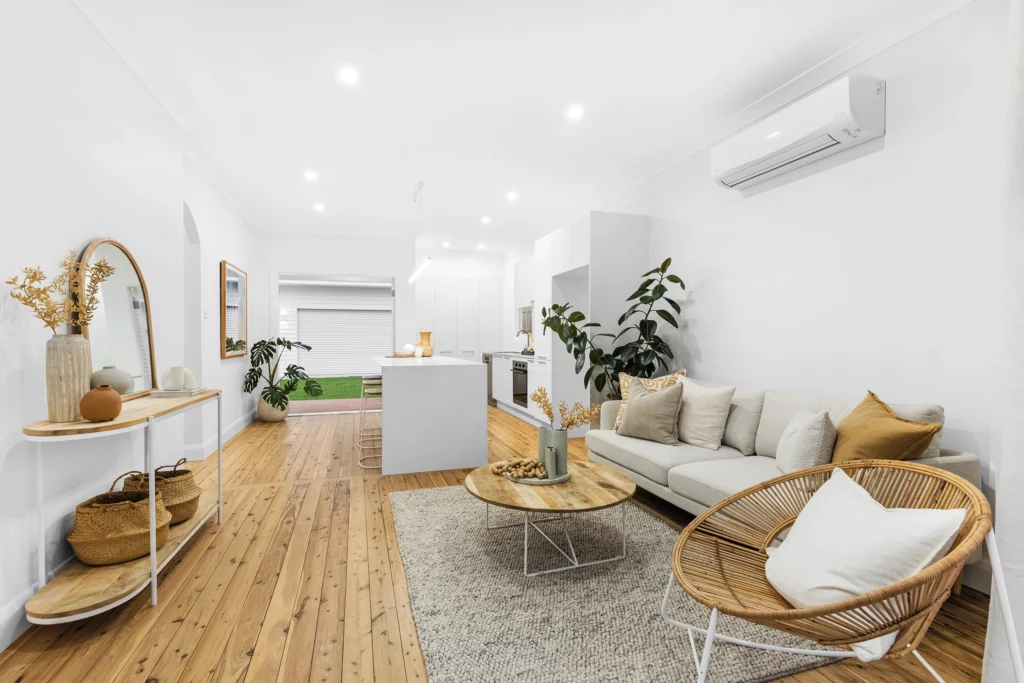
(571,418)
(77,284)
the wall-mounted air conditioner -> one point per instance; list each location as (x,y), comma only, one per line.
(839,116)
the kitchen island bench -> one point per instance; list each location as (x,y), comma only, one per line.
(433,415)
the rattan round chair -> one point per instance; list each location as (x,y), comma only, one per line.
(719,561)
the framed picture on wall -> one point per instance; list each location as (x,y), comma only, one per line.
(234,311)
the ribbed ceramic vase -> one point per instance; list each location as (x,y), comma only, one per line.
(68,368)
(559,439)
(424,343)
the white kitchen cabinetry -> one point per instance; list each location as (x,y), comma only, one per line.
(579,254)
(539,376)
(490,307)
(523,285)
(469,319)
(542,272)
(561,250)
(501,379)
(446,316)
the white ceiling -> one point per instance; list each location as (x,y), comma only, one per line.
(467,96)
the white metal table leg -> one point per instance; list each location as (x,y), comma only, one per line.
(41,560)
(928,666)
(151,471)
(220,464)
(709,642)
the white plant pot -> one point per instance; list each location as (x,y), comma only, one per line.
(269,413)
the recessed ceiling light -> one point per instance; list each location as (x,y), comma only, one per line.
(310,176)
(512,195)
(348,76)
(485,220)
(574,112)
(446,244)
(479,246)
(318,207)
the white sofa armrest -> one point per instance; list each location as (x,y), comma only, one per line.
(966,465)
(609,411)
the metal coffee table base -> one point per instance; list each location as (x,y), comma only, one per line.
(529,520)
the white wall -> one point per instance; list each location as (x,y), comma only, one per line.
(87,153)
(339,255)
(876,269)
(224,234)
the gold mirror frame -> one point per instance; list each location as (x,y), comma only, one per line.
(224,265)
(84,259)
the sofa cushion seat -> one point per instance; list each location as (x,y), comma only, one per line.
(710,482)
(651,459)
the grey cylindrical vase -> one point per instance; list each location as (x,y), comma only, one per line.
(550,461)
(68,367)
(559,438)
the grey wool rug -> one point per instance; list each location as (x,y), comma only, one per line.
(481,621)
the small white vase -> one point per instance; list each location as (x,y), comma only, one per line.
(173,378)
(269,413)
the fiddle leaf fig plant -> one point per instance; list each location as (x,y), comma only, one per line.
(268,353)
(642,354)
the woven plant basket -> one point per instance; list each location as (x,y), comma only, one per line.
(114,527)
(178,486)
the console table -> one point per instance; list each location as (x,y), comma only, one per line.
(80,591)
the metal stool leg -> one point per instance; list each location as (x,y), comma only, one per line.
(369,438)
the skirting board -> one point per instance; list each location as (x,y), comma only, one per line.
(201,451)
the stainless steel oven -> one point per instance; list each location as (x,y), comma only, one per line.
(519,370)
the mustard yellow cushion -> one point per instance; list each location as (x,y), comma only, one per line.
(873,432)
(653,384)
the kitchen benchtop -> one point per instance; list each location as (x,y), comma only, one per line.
(518,355)
(432,361)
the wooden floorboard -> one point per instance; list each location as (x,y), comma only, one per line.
(304,580)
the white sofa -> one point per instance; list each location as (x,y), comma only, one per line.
(695,478)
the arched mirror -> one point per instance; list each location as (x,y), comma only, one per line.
(121,332)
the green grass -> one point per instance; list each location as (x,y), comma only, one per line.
(334,387)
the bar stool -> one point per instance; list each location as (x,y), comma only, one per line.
(370,438)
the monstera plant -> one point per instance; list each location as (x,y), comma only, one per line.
(267,354)
(643,351)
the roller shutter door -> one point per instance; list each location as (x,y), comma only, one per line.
(344,342)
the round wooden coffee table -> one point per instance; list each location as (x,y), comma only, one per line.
(591,487)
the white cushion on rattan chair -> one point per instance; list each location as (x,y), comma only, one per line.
(807,442)
(844,544)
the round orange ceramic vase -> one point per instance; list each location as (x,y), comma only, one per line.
(102,404)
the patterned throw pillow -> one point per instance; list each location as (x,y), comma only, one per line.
(652,384)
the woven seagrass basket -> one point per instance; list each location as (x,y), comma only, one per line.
(114,527)
(178,486)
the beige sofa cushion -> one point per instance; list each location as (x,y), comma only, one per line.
(744,416)
(710,482)
(648,458)
(652,415)
(780,407)
(704,414)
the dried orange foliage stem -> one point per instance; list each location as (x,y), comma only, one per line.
(77,287)
(570,418)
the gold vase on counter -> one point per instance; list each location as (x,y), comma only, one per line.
(424,343)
